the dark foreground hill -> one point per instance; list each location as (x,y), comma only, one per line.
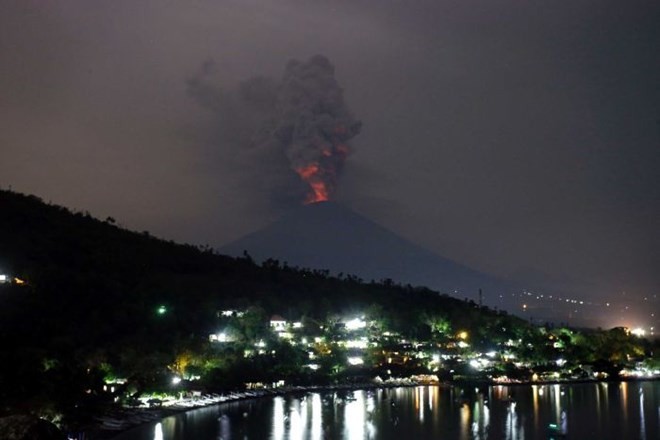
(97,297)
(84,303)
(83,265)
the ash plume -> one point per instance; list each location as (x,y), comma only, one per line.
(294,132)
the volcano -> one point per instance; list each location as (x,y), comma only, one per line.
(330,236)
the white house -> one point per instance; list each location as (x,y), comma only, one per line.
(277,323)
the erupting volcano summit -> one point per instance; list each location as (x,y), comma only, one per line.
(294,132)
(314,125)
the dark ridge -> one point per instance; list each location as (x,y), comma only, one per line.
(332,237)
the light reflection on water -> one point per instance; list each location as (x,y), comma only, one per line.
(480,419)
(623,386)
(317,417)
(465,421)
(278,418)
(158,431)
(642,424)
(602,411)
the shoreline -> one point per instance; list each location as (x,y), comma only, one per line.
(126,419)
(112,427)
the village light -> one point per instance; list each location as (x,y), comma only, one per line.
(357,343)
(161,310)
(355,360)
(176,380)
(463,335)
(355,324)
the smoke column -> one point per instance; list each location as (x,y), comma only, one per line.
(301,119)
(314,125)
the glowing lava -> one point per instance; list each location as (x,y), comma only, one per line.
(318,192)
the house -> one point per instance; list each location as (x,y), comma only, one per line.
(277,323)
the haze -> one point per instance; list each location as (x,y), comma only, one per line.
(519,138)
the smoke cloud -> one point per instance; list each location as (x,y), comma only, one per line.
(294,132)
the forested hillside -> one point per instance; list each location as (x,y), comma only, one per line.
(94,297)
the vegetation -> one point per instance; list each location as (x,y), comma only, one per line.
(91,313)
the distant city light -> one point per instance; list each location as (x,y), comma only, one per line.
(462,335)
(639,332)
(161,310)
(3,278)
(176,380)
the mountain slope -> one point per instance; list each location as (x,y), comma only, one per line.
(331,236)
(107,280)
(98,301)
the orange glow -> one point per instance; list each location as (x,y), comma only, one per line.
(307,172)
(320,193)
(340,129)
(319,190)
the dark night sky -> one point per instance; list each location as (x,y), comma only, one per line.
(520,138)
